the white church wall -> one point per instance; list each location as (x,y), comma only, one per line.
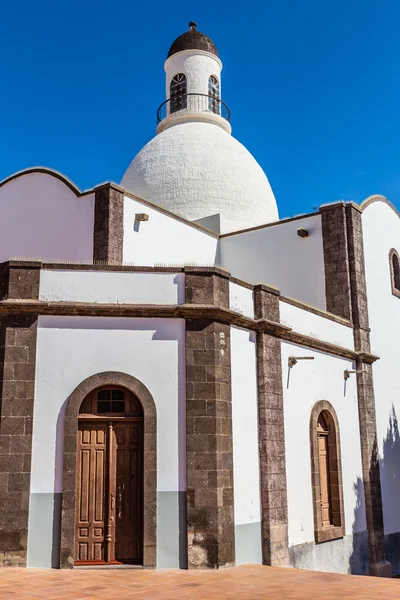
(41,217)
(309,382)
(241,299)
(381,231)
(70,349)
(316,326)
(111,287)
(164,240)
(245,448)
(277,256)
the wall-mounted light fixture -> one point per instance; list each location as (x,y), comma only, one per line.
(292,360)
(301,232)
(141,217)
(347,373)
(346,376)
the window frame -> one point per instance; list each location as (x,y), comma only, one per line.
(336,529)
(395,290)
(214,95)
(89,407)
(177,93)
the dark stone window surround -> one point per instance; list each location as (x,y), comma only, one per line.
(111,378)
(395,288)
(337,530)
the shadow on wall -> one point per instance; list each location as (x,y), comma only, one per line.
(390,485)
(389,466)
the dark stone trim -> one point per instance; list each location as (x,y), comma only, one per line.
(271,435)
(182,311)
(18,334)
(108,231)
(317,311)
(69,465)
(393,252)
(107,268)
(266,225)
(379,566)
(46,171)
(377,198)
(171,215)
(210,498)
(337,530)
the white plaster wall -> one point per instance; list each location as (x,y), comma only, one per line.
(311,381)
(197,66)
(197,170)
(277,256)
(163,240)
(41,217)
(112,287)
(245,446)
(381,228)
(70,349)
(316,326)
(241,299)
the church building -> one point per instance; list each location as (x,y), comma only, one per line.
(186,380)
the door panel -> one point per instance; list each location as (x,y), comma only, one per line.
(109,492)
(129,490)
(324,479)
(89,534)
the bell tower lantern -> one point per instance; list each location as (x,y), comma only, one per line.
(193,83)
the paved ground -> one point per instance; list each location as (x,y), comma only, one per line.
(241,583)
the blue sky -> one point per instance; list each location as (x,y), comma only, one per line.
(313,87)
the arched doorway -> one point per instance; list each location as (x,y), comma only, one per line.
(109,478)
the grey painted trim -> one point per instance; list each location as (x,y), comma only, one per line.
(171,530)
(44,530)
(248,544)
(349,554)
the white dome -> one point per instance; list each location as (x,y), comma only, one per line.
(197,170)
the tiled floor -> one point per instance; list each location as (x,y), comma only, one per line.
(246,582)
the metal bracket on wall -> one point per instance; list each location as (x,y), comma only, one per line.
(292,361)
(346,376)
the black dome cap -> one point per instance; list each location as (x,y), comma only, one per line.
(192,40)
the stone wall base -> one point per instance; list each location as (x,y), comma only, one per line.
(13,559)
(349,554)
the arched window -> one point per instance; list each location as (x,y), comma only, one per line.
(326,473)
(214,95)
(178,93)
(395,271)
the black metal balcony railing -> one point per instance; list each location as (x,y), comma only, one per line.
(193,104)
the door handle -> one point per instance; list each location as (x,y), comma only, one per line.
(112,501)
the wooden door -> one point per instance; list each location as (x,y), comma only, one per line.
(109,512)
(324,479)
(128,517)
(324,471)
(90,517)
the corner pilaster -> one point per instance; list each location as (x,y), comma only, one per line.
(271,434)
(108,231)
(210,502)
(17,381)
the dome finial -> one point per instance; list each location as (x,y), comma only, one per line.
(192,25)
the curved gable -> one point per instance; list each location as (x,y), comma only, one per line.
(44,215)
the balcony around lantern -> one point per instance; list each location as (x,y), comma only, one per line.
(193,107)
